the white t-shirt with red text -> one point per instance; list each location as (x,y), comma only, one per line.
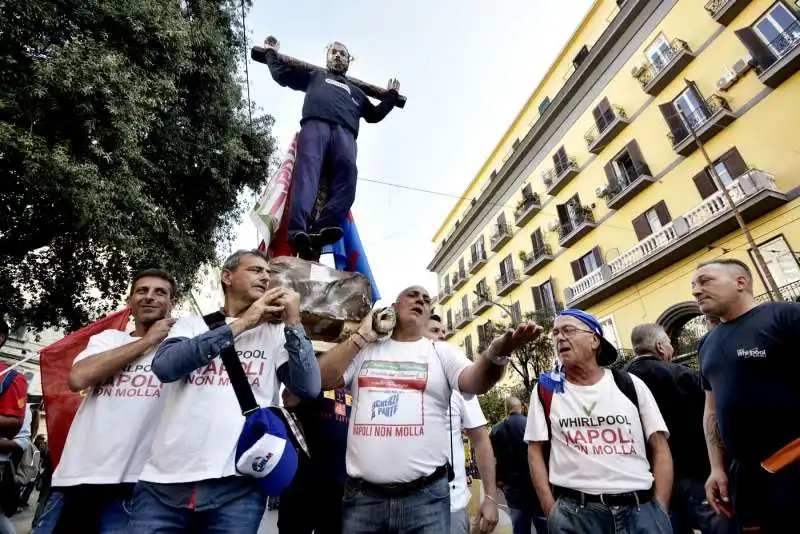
(467,414)
(109,439)
(597,442)
(401,394)
(197,435)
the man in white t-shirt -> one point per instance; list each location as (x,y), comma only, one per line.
(398,447)
(466,413)
(190,482)
(600,426)
(109,439)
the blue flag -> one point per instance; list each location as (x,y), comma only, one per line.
(348,254)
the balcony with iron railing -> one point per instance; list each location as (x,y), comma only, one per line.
(629,182)
(459,278)
(505,283)
(482,302)
(780,59)
(527,207)
(449,331)
(789,292)
(533,261)
(654,76)
(559,176)
(724,11)
(754,194)
(707,121)
(580,223)
(477,261)
(500,236)
(463,318)
(606,128)
(445,294)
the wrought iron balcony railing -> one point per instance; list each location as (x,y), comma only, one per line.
(552,176)
(603,122)
(714,6)
(500,231)
(788,292)
(502,281)
(626,176)
(696,118)
(649,70)
(537,254)
(784,43)
(582,215)
(526,204)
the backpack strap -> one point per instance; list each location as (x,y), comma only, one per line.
(8,379)
(241,386)
(625,384)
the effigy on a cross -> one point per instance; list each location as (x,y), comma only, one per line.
(332,301)
(324,176)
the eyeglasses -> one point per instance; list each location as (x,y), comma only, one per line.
(569,331)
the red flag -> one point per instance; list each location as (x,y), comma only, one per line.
(55,361)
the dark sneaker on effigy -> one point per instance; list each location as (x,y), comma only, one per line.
(327,236)
(302,244)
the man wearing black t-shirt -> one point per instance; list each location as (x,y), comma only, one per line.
(313,503)
(749,367)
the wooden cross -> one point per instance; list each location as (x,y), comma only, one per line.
(259,54)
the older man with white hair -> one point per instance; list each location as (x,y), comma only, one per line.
(598,425)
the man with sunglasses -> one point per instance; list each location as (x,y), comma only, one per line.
(609,464)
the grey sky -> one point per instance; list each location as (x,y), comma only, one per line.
(466,67)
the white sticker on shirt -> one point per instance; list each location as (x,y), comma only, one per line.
(392,392)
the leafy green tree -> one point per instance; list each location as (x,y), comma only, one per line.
(125,143)
(530,360)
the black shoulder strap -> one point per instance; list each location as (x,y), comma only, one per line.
(451,474)
(625,384)
(241,386)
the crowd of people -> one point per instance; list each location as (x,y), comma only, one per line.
(370,437)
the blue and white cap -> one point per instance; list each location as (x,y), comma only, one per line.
(266,449)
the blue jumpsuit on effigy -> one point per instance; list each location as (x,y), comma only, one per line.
(332,110)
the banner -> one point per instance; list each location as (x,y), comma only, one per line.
(268,211)
(55,361)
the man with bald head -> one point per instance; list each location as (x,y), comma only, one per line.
(398,447)
(679,396)
(513,476)
(749,368)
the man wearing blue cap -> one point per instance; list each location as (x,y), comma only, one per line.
(398,444)
(598,425)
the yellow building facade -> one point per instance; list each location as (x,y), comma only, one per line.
(598,196)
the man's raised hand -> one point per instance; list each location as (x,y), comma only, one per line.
(158,331)
(289,299)
(513,339)
(393,85)
(259,311)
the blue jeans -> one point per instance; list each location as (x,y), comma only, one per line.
(238,516)
(426,511)
(689,509)
(329,149)
(113,519)
(568,516)
(523,507)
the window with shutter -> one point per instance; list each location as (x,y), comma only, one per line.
(598,258)
(449,319)
(501,221)
(662,212)
(637,158)
(705,185)
(548,295)
(563,214)
(674,121)
(537,240)
(465,303)
(537,298)
(580,56)
(468,347)
(543,105)
(603,115)
(516,313)
(461,265)
(560,159)
(641,227)
(527,192)
(734,163)
(577,269)
(761,53)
